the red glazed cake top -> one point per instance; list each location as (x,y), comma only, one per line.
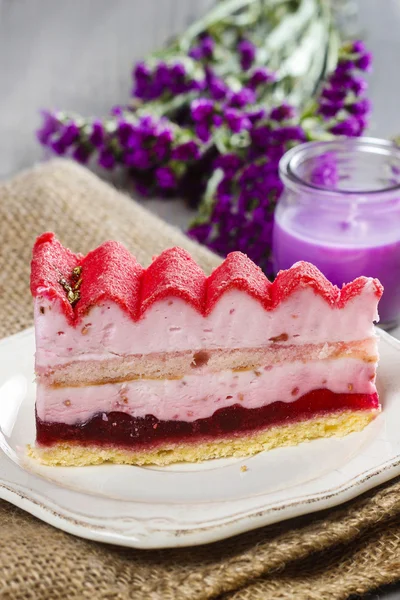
(111,273)
(173,273)
(238,272)
(304,275)
(51,262)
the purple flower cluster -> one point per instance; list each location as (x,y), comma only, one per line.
(245,198)
(219,104)
(208,115)
(247,54)
(147,146)
(244,201)
(164,80)
(204,49)
(63,136)
(342,103)
(260,77)
(216,125)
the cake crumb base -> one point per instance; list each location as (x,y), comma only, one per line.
(332,425)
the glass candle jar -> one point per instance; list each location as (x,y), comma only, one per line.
(340,210)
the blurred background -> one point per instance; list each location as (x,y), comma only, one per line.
(78,55)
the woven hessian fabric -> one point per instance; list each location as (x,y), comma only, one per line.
(334,554)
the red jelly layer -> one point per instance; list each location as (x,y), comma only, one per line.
(120,429)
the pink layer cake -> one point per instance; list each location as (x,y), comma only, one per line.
(164,364)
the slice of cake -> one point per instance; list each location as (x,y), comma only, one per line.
(164,364)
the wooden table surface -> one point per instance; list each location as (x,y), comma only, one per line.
(78,54)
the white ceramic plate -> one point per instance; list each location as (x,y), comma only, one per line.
(186,505)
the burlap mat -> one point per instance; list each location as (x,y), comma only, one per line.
(329,555)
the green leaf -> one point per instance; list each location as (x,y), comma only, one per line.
(208,202)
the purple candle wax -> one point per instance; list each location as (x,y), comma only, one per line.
(349,226)
(339,262)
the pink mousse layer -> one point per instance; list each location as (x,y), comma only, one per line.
(237,321)
(197,397)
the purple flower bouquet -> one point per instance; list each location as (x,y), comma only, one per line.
(212,114)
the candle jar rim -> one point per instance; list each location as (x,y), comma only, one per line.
(293,158)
